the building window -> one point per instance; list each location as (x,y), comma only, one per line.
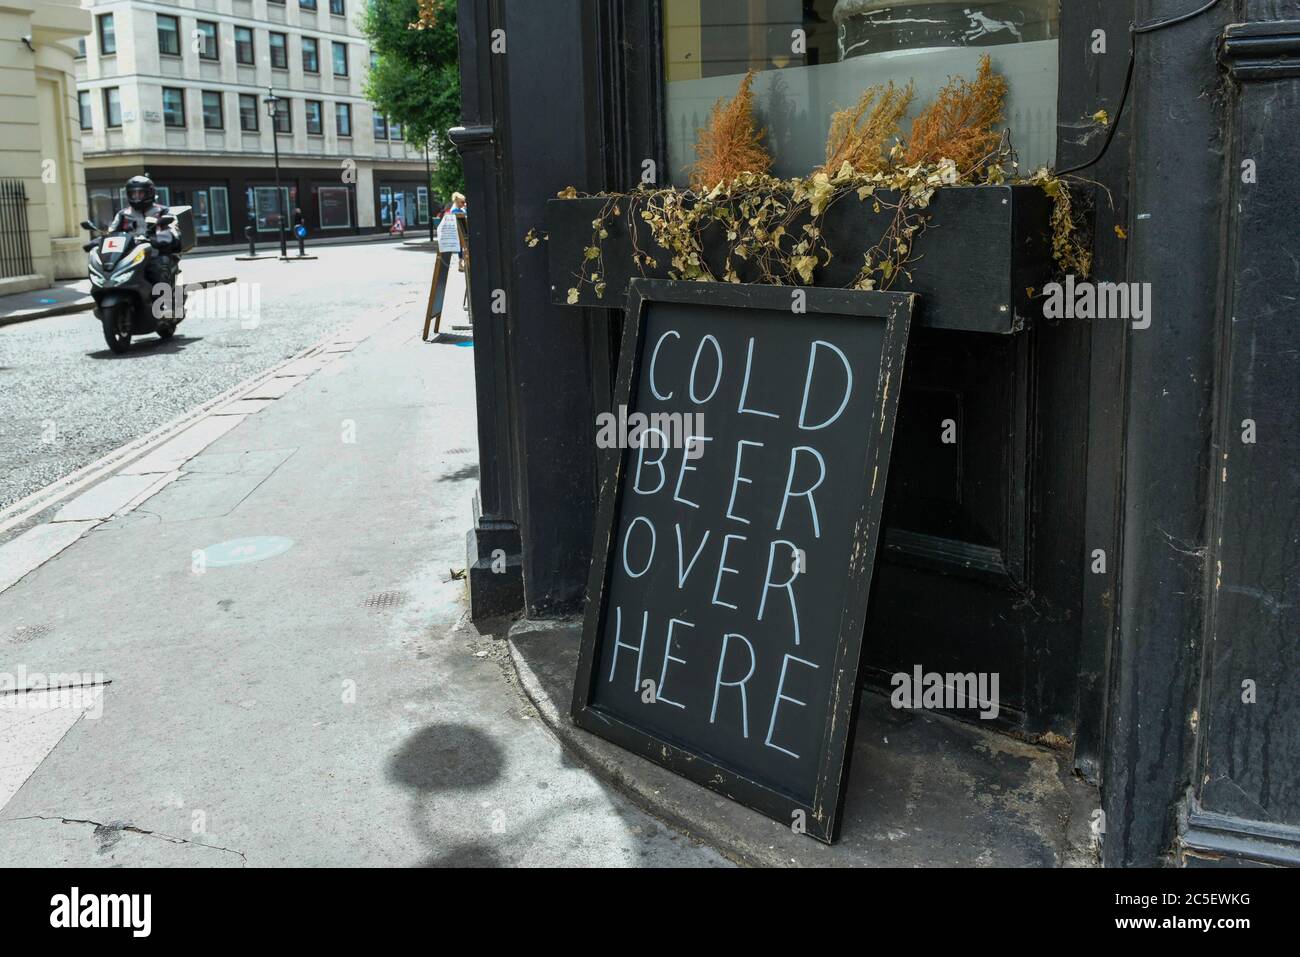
(283,118)
(169,35)
(340,58)
(220,206)
(173,106)
(422,204)
(334,207)
(83,109)
(381,126)
(315,123)
(848,46)
(279,52)
(343,119)
(310,55)
(213,118)
(266,207)
(208,32)
(244,45)
(336,8)
(81,48)
(112,107)
(394,130)
(307,4)
(386,206)
(248,112)
(107,36)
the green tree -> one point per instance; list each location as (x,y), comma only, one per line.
(416,79)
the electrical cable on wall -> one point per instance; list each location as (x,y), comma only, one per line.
(1135,29)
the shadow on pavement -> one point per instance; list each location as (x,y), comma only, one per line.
(150,346)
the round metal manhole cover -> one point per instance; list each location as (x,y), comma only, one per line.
(385,599)
(243,551)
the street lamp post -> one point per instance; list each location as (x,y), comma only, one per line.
(272,109)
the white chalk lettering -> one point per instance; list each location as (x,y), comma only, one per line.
(719,684)
(806,493)
(788,584)
(807,386)
(668,656)
(654,356)
(723,569)
(782,696)
(737,479)
(744,386)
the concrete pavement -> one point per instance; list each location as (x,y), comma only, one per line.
(66,400)
(276,644)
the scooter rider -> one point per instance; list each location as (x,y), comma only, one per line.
(141,205)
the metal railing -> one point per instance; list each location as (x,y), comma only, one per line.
(15,235)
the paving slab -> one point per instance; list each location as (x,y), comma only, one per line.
(32,724)
(36,546)
(273,388)
(243,407)
(105,499)
(174,453)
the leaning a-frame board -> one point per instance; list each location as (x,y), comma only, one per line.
(456,241)
(737,534)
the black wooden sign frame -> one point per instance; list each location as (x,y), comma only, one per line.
(822,817)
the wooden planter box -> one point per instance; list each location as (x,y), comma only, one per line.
(984,249)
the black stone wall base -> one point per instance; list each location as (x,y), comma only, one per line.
(494,563)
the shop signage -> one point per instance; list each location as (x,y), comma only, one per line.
(731,567)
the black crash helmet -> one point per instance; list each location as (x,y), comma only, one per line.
(140,192)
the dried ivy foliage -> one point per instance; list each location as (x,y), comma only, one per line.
(963,123)
(858,134)
(730,144)
(773,227)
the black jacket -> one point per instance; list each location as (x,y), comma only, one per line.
(133,221)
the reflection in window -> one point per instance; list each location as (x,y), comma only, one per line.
(814,57)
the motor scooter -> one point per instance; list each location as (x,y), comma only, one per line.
(127,303)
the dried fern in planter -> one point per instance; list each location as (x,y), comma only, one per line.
(858,135)
(729,145)
(963,124)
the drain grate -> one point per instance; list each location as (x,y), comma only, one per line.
(457,451)
(385,599)
(25,633)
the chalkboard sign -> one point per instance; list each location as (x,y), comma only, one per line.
(455,224)
(738,523)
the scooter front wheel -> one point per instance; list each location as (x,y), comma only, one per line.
(117,329)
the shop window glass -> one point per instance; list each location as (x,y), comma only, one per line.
(385,206)
(267,211)
(334,208)
(219,205)
(813,57)
(422,195)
